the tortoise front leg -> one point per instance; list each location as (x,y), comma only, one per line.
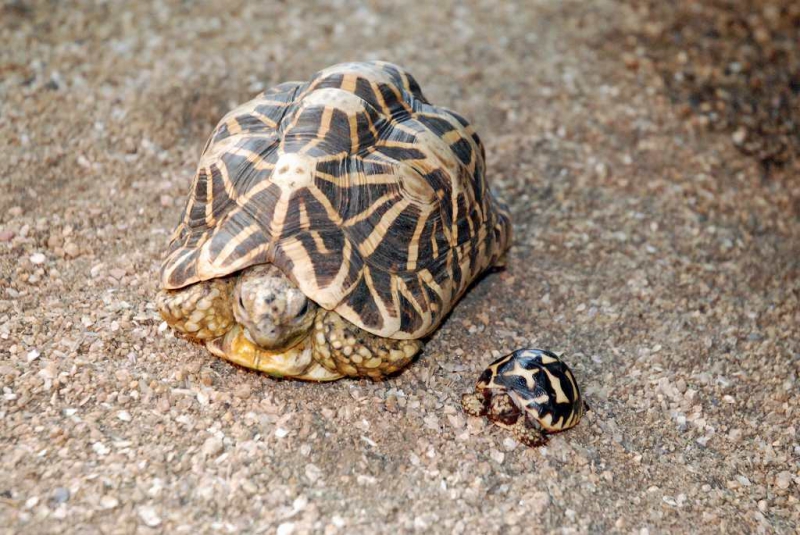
(528,433)
(340,346)
(200,311)
(474,404)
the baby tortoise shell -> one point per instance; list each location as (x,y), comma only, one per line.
(531,392)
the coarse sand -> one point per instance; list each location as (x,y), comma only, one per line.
(648,152)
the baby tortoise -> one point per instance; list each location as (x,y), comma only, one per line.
(531,392)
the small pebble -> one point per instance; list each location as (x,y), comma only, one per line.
(149,516)
(497,455)
(509,444)
(6,235)
(212,447)
(71,250)
(108,502)
(783,479)
(38,258)
(538,502)
(61,495)
(242,391)
(313,473)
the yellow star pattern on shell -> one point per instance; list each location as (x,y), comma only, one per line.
(526,374)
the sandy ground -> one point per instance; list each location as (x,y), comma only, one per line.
(651,250)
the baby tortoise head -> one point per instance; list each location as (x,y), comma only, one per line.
(531,392)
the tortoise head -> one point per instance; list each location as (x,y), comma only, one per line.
(273,311)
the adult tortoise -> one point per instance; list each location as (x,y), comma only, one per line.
(330,226)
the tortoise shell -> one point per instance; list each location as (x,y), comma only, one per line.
(370,199)
(538,383)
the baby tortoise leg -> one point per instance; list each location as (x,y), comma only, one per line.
(474,404)
(342,347)
(503,410)
(498,408)
(201,311)
(528,433)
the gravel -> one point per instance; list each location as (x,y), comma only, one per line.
(657,257)
(60,495)
(734,66)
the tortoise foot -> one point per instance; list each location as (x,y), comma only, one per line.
(200,311)
(339,345)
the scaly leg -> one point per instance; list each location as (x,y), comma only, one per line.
(527,433)
(474,404)
(201,311)
(340,346)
